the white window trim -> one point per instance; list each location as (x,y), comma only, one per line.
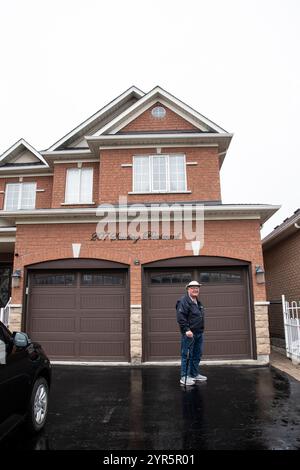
(19,207)
(152,191)
(79,189)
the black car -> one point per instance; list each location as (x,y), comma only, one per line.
(25,377)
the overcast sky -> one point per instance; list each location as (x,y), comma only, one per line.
(234,61)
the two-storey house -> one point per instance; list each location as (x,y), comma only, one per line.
(97,258)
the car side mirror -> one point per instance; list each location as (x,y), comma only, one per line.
(21,340)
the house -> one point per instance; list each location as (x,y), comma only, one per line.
(281,249)
(103,230)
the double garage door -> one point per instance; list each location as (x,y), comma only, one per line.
(80,314)
(83,314)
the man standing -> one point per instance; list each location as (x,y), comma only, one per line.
(190,317)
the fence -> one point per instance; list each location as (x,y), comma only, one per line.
(291,318)
(4,313)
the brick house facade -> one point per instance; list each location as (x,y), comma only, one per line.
(281,249)
(94,298)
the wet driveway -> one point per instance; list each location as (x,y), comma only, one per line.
(97,407)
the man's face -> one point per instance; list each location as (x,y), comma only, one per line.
(193,292)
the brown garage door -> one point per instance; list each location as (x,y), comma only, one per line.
(80,314)
(227,323)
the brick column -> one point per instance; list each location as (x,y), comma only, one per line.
(15,318)
(262,331)
(136,333)
(135,313)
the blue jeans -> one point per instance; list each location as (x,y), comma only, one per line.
(194,346)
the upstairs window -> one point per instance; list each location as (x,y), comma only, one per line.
(79,186)
(19,196)
(159,173)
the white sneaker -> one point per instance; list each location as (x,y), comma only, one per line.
(187,381)
(200,378)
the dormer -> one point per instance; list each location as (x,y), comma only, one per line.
(22,157)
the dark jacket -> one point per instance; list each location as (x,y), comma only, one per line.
(189,315)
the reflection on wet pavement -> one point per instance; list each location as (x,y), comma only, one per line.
(98,407)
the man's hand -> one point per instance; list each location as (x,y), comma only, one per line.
(189,334)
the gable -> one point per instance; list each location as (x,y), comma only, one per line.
(22,154)
(24,157)
(156,95)
(147,122)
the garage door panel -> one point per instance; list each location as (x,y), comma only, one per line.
(222,348)
(53,301)
(104,325)
(164,349)
(163,300)
(102,301)
(226,324)
(157,324)
(114,350)
(40,324)
(223,299)
(59,349)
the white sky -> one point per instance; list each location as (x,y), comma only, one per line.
(234,61)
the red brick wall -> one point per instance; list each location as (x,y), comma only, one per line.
(59,183)
(146,122)
(36,243)
(43,199)
(282,266)
(203,179)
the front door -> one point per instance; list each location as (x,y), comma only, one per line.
(5,284)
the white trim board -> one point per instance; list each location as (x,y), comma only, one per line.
(153,146)
(29,175)
(91,160)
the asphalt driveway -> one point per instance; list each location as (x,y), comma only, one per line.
(101,407)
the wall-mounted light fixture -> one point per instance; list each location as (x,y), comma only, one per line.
(260,274)
(16,278)
(136,262)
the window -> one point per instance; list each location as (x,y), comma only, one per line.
(20,196)
(105,279)
(168,278)
(55,279)
(159,173)
(79,186)
(216,277)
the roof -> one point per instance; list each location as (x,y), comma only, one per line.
(289,226)
(259,212)
(102,128)
(99,118)
(22,155)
